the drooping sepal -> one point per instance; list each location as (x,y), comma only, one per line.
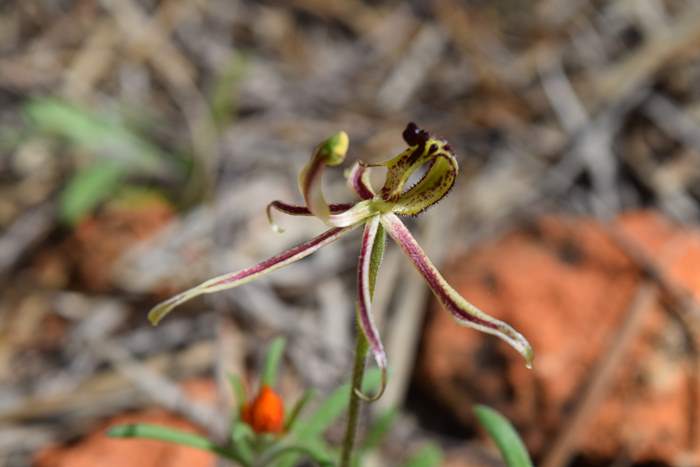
(464,312)
(371,252)
(234,279)
(331,152)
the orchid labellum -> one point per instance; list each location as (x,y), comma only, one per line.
(378,211)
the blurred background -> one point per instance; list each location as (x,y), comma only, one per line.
(140,141)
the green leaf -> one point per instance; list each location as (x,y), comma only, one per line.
(170,435)
(375,434)
(502,432)
(238,389)
(319,456)
(333,407)
(272,361)
(329,410)
(308,432)
(104,137)
(293,415)
(429,455)
(225,93)
(88,188)
(378,430)
(241,438)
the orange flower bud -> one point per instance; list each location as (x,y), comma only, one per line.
(266,412)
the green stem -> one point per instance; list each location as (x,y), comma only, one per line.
(361,348)
(358,373)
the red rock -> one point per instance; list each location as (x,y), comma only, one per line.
(566,286)
(101,239)
(97,449)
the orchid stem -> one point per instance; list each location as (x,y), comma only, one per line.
(358,373)
(361,348)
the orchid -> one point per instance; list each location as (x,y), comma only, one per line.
(427,158)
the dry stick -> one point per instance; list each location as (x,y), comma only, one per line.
(625,94)
(565,443)
(91,62)
(30,228)
(162,390)
(637,70)
(676,296)
(595,150)
(105,392)
(412,70)
(620,80)
(148,37)
(693,389)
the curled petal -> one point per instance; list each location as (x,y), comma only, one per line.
(463,311)
(230,280)
(435,184)
(358,179)
(295,210)
(331,152)
(364,301)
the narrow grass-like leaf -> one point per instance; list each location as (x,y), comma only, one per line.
(272,361)
(319,456)
(329,410)
(225,92)
(238,389)
(504,435)
(104,137)
(241,438)
(308,432)
(293,414)
(88,188)
(170,435)
(335,405)
(377,431)
(428,456)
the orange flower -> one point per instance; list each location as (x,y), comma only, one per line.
(266,412)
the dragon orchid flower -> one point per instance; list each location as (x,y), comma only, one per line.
(377,211)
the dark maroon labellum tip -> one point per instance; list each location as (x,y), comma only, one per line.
(414,135)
